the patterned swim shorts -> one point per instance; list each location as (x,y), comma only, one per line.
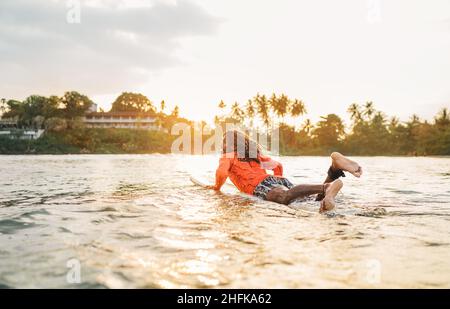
(269,183)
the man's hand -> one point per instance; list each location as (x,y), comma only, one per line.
(212,187)
(269,165)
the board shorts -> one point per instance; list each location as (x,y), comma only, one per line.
(269,183)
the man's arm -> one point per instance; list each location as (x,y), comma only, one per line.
(222,172)
(270,164)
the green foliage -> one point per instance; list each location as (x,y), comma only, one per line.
(87,140)
(329,133)
(75,104)
(133,102)
(13,146)
(12,109)
(237,113)
(370,132)
(263,109)
(35,110)
(33,106)
(55,124)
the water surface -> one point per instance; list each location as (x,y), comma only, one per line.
(137,221)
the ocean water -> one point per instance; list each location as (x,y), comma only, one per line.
(124,221)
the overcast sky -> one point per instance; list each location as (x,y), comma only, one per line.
(196,52)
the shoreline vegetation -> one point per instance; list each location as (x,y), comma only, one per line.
(370,132)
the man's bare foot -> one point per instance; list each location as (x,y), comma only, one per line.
(345,164)
(331,191)
(327,204)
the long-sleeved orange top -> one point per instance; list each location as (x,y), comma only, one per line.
(245,175)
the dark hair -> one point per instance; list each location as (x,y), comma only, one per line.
(245,148)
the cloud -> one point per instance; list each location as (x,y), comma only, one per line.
(114,47)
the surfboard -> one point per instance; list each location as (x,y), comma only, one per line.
(230,191)
(198,182)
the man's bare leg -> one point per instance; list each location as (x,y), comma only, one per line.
(340,162)
(332,190)
(284,196)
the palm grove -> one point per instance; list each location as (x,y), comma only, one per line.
(370,131)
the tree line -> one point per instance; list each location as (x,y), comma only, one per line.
(64,112)
(66,132)
(371,131)
(38,111)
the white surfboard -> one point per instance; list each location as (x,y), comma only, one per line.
(204,183)
(198,182)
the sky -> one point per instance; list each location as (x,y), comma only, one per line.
(194,53)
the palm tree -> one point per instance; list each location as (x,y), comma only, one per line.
(369,110)
(250,111)
(394,121)
(236,112)
(413,126)
(355,113)
(222,105)
(298,108)
(284,104)
(280,105)
(393,124)
(307,126)
(414,119)
(443,118)
(274,103)
(379,118)
(329,131)
(262,106)
(176,111)
(273,99)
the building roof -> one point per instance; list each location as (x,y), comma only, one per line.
(118,114)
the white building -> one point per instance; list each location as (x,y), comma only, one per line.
(128,120)
(22,134)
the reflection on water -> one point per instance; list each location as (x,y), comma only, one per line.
(137,221)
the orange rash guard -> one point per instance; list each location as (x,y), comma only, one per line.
(244,175)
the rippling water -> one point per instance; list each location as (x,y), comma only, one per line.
(137,221)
